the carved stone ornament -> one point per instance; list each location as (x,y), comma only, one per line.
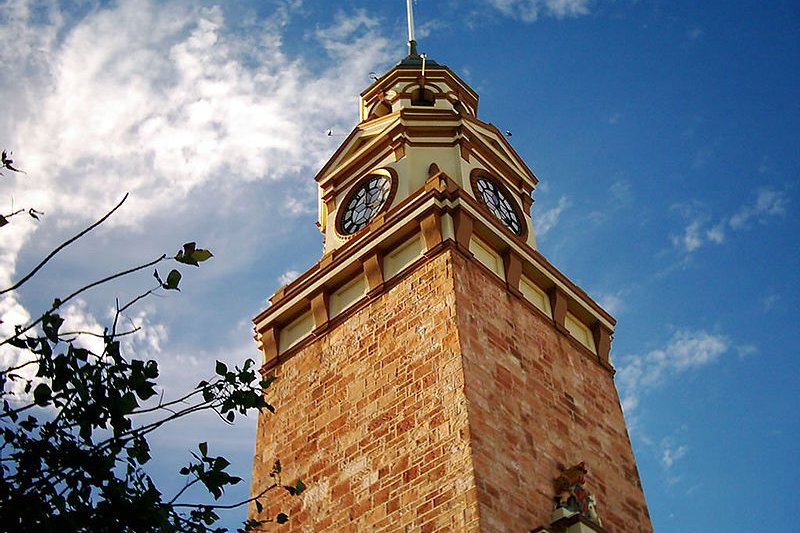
(572,496)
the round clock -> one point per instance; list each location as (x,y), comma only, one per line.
(497,200)
(366,201)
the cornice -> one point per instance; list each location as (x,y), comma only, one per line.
(442,196)
(501,139)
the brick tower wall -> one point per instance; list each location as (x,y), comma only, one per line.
(372,417)
(443,404)
(536,399)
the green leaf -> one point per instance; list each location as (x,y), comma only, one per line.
(203,447)
(282,518)
(295,489)
(173,279)
(221,369)
(201,255)
(41,394)
(191,255)
(185,255)
(259,507)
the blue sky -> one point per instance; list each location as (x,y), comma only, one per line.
(664,135)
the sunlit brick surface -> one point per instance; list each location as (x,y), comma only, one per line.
(444,404)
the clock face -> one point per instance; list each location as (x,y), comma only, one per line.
(364,203)
(498,203)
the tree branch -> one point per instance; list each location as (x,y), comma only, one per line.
(63,245)
(230,506)
(83,289)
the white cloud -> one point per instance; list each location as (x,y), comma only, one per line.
(147,337)
(691,238)
(169,101)
(80,325)
(671,453)
(769,203)
(530,10)
(549,218)
(12,313)
(716,234)
(686,350)
(160,99)
(288,277)
(613,303)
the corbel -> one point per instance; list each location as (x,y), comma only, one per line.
(602,341)
(463,227)
(319,309)
(513,267)
(558,303)
(269,345)
(373,270)
(431,228)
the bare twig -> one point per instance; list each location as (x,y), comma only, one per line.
(63,245)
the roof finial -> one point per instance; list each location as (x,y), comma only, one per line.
(412,44)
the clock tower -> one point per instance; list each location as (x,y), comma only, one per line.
(434,372)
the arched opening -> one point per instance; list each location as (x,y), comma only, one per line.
(381,109)
(422,96)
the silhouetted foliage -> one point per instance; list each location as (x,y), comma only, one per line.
(74,424)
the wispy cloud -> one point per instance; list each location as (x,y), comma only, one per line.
(163,99)
(614,303)
(769,203)
(288,277)
(545,221)
(531,10)
(700,230)
(672,453)
(171,102)
(685,351)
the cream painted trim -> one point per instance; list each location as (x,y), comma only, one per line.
(535,295)
(486,255)
(294,300)
(447,233)
(402,256)
(578,330)
(523,253)
(295,331)
(347,295)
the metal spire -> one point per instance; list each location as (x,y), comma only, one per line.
(412,44)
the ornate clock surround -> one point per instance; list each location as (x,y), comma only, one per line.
(510,198)
(389,174)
